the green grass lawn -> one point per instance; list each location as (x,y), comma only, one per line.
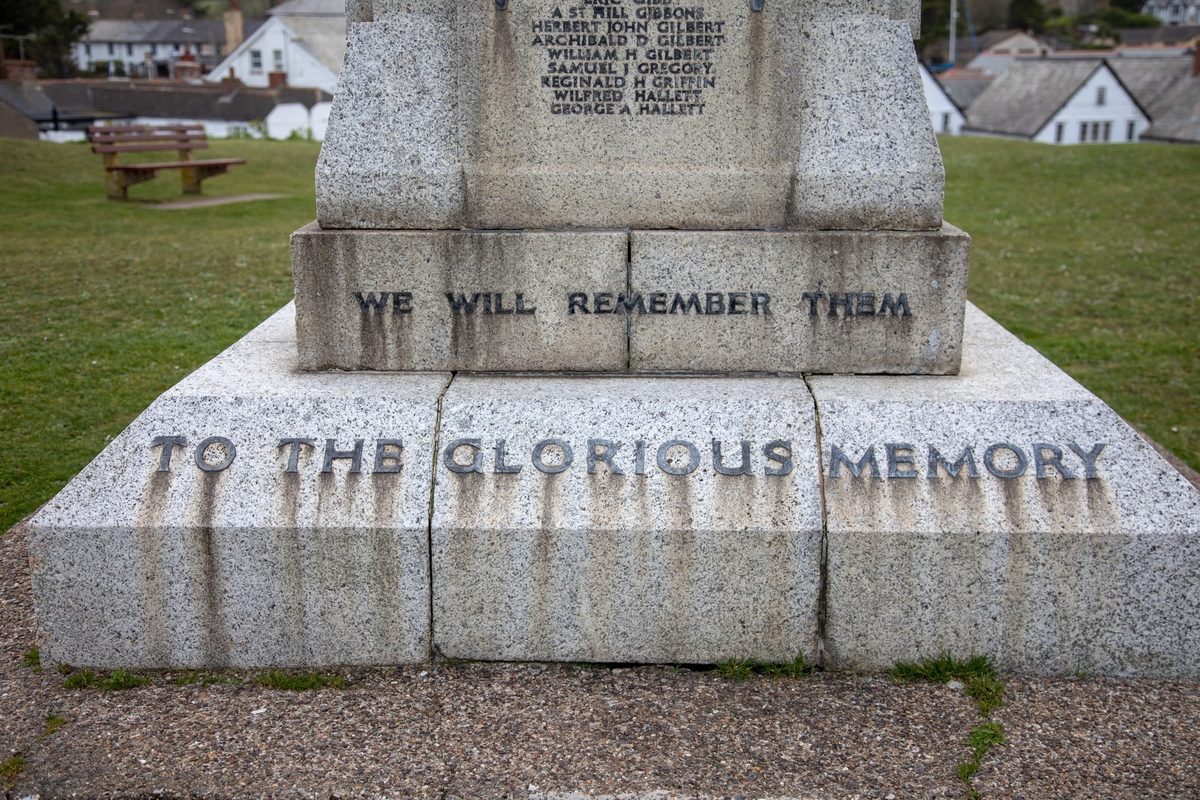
(1092,255)
(107,304)
(1088,253)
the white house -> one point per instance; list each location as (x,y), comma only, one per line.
(301,44)
(946,115)
(1058,101)
(1174,12)
(147,48)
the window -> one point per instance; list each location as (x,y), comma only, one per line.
(87,48)
(256,60)
(1100,92)
(1095,131)
(110,48)
(128,49)
(1082,132)
(278,59)
(1059,130)
(946,122)
(1130,131)
(1107,131)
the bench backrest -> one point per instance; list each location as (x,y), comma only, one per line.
(112,139)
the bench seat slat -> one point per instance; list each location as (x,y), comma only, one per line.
(141,128)
(149,137)
(212,162)
(148,148)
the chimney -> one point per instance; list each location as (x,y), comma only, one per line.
(233,28)
(20,71)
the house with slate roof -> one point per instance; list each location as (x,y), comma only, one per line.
(947,117)
(1169,90)
(1174,12)
(229,110)
(301,44)
(149,48)
(27,112)
(1164,36)
(1058,101)
(964,85)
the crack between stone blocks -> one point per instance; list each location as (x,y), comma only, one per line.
(437,432)
(628,293)
(823,581)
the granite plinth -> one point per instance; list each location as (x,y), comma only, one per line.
(684,301)
(571,528)
(623,114)
(1004,510)
(1064,543)
(208,535)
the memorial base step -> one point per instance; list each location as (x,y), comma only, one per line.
(258,515)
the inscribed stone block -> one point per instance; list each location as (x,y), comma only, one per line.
(626,547)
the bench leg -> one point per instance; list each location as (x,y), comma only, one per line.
(119,181)
(193,175)
(117,188)
(191,180)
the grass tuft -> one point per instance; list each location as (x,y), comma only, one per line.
(53,723)
(987,691)
(798,668)
(980,740)
(63,669)
(300,681)
(735,669)
(120,680)
(10,769)
(33,658)
(985,737)
(741,669)
(186,678)
(943,668)
(85,679)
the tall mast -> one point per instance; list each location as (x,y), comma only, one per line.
(953,31)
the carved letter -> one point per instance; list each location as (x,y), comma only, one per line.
(784,459)
(168,445)
(1040,462)
(967,458)
(718,464)
(230,454)
(501,467)
(693,457)
(476,464)
(837,458)
(989,461)
(605,455)
(1089,459)
(333,454)
(294,455)
(383,455)
(542,466)
(894,460)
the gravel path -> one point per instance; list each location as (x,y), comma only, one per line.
(536,731)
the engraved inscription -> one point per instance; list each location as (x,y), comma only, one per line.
(628,57)
(897,460)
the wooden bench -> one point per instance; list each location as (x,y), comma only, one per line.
(113,140)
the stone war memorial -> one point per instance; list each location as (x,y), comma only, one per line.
(628,331)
